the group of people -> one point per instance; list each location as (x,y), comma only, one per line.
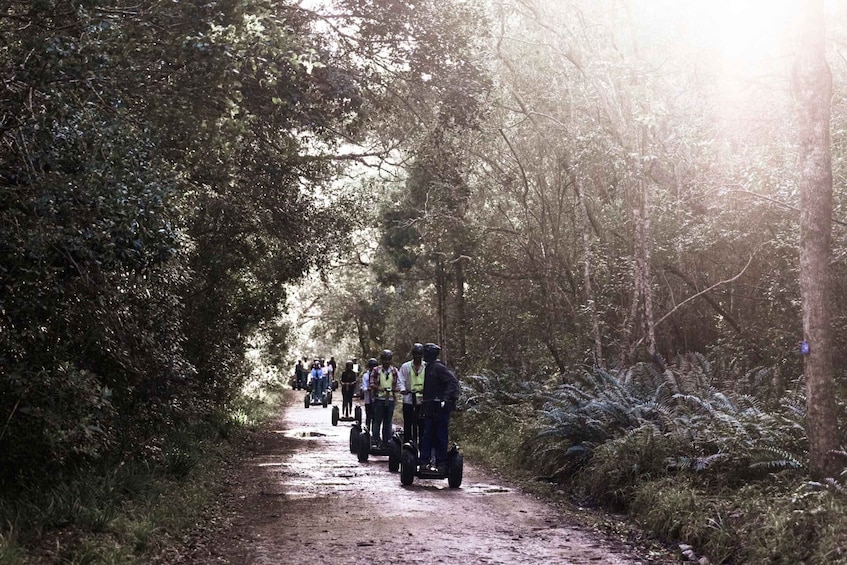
(429,391)
(427,387)
(319,376)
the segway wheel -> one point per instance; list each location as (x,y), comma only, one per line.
(394,456)
(308,401)
(454,471)
(335,415)
(363,448)
(354,438)
(324,401)
(329,397)
(357,413)
(408,464)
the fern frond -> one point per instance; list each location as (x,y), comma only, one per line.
(769,457)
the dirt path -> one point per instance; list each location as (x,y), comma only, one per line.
(302,497)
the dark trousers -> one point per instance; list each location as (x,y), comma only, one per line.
(369,418)
(346,400)
(412,425)
(383,413)
(434,438)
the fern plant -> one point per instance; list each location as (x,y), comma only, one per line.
(736,437)
(597,407)
(712,431)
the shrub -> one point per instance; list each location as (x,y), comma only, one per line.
(620,465)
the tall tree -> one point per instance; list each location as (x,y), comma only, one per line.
(813,89)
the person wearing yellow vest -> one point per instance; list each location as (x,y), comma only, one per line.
(411,377)
(384,385)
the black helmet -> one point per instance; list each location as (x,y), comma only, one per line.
(385,355)
(431,352)
(372,362)
(417,349)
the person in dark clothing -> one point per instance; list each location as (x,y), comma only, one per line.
(440,392)
(348,384)
(300,374)
(332,367)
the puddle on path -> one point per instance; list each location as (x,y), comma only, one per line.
(485,489)
(303,433)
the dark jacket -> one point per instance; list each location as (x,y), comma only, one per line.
(348,378)
(440,383)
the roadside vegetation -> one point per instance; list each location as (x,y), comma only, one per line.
(724,471)
(134,510)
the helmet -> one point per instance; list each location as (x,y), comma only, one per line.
(372,362)
(431,352)
(417,349)
(385,355)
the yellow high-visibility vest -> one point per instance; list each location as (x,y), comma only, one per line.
(416,379)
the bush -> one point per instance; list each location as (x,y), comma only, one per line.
(54,419)
(618,466)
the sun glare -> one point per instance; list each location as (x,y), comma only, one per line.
(741,35)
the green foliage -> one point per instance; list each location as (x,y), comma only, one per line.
(598,408)
(619,466)
(119,513)
(721,471)
(675,509)
(643,426)
(736,439)
(54,420)
(10,552)
(166,169)
(492,422)
(771,522)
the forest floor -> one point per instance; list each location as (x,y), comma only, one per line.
(298,495)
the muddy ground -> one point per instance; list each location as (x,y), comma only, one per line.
(300,496)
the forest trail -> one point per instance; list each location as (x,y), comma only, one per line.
(301,496)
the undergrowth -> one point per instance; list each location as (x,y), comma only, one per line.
(122,512)
(720,470)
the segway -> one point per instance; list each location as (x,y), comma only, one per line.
(364,448)
(411,467)
(356,430)
(310,400)
(337,417)
(392,449)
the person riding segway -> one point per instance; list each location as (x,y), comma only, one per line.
(383,383)
(348,383)
(434,461)
(364,428)
(411,387)
(440,391)
(316,393)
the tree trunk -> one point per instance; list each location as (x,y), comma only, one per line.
(644,239)
(459,271)
(441,290)
(586,275)
(641,309)
(813,91)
